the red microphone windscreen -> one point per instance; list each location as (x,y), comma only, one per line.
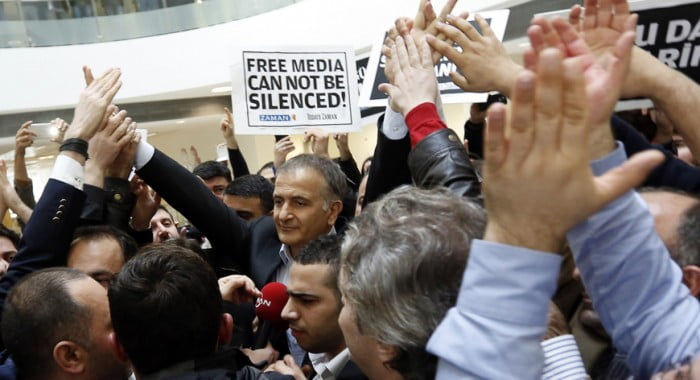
(269,306)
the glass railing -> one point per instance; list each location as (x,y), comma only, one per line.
(35,23)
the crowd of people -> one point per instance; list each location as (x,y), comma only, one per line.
(565,245)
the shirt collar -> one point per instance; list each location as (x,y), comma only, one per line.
(327,368)
(286,253)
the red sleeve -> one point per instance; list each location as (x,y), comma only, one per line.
(423,120)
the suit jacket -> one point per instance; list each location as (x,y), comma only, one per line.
(47,235)
(253,247)
(389,168)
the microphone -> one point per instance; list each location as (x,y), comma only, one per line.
(268,308)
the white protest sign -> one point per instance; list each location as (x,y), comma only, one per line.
(450,92)
(286,90)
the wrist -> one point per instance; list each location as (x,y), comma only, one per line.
(506,78)
(535,238)
(601,141)
(231,142)
(75,156)
(20,151)
(76,132)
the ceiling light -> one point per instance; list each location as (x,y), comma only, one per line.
(180,122)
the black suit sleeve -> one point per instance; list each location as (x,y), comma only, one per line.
(226,231)
(239,167)
(389,168)
(672,172)
(47,235)
(349,167)
(93,208)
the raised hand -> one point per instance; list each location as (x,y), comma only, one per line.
(414,77)
(319,141)
(92,105)
(341,142)
(603,78)
(147,203)
(61,126)
(10,198)
(24,137)
(227,129)
(282,149)
(107,143)
(121,166)
(426,24)
(484,65)
(538,183)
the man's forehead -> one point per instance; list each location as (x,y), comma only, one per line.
(301,181)
(161,215)
(309,278)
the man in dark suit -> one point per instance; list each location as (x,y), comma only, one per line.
(307,200)
(43,341)
(313,308)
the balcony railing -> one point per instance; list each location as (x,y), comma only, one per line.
(35,23)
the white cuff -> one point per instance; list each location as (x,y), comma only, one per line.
(144,153)
(68,171)
(438,105)
(394,126)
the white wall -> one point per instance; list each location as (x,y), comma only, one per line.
(190,63)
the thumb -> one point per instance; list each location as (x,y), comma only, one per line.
(388,88)
(629,175)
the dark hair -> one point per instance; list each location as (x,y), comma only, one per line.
(267,165)
(191,244)
(128,245)
(161,207)
(253,186)
(12,235)
(166,307)
(39,312)
(324,250)
(210,169)
(336,181)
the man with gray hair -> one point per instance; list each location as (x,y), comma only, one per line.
(307,198)
(398,285)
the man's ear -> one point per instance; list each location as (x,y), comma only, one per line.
(387,352)
(691,278)
(70,357)
(225,330)
(334,211)
(117,348)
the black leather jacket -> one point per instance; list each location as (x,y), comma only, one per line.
(440,159)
